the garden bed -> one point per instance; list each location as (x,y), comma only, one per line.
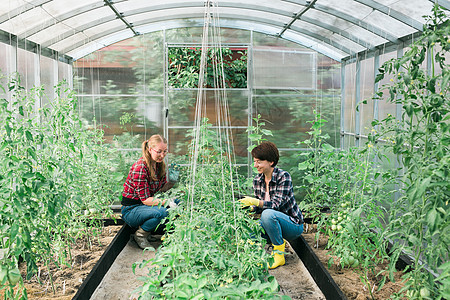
(348,279)
(91,263)
(68,280)
(301,286)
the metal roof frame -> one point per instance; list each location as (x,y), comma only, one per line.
(280,18)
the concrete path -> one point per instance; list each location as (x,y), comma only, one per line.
(120,282)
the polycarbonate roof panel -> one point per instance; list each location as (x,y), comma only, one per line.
(42,36)
(336,28)
(387,24)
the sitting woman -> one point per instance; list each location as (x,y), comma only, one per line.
(147,176)
(281,217)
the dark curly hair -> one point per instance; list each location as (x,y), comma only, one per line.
(266,151)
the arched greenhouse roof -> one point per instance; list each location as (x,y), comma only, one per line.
(336,28)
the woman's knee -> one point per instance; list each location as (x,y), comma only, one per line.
(267,216)
(164,214)
(159,214)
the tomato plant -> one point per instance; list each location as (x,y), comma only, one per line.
(408,205)
(420,139)
(55,180)
(343,180)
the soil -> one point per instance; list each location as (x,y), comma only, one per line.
(120,282)
(348,279)
(66,281)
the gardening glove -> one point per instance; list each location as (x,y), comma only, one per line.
(249,201)
(173,202)
(174,172)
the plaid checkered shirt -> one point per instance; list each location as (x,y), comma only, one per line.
(139,185)
(281,193)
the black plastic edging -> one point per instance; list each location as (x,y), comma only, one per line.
(318,272)
(112,222)
(102,266)
(403,260)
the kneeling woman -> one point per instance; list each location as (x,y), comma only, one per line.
(281,217)
(147,176)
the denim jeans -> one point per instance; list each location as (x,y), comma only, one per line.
(147,217)
(278,226)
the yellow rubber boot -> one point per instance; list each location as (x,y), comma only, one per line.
(278,258)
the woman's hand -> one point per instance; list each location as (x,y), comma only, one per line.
(152,201)
(249,201)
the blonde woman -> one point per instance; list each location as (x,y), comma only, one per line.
(147,176)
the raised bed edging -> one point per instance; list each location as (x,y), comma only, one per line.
(318,272)
(102,266)
(94,278)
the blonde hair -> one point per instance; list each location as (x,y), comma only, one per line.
(151,164)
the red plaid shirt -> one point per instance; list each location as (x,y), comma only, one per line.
(139,185)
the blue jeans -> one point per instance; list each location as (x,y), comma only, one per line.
(147,217)
(278,226)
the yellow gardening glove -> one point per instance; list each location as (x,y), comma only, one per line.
(249,201)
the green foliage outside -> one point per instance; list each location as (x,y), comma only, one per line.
(184,68)
(56,180)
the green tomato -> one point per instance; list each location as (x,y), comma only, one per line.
(339,219)
(424,292)
(351,260)
(343,204)
(355,263)
(339,227)
(333,221)
(333,227)
(14,276)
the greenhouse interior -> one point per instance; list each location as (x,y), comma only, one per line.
(236,149)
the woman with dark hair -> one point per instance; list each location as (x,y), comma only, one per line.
(147,176)
(281,217)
